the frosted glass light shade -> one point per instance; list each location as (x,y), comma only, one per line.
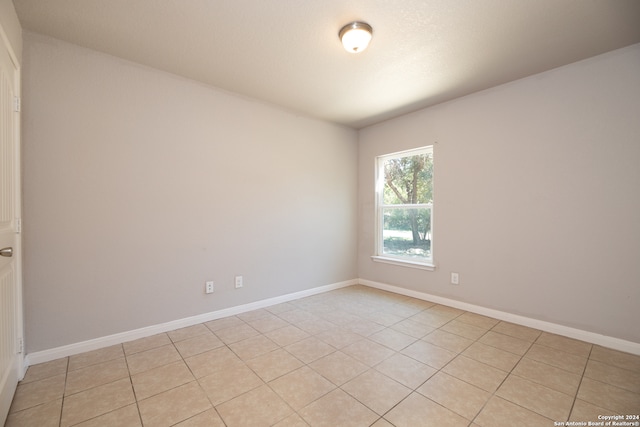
(355,36)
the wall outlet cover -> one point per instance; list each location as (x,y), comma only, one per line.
(455,279)
(208,287)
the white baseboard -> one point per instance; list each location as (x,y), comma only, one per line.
(97,343)
(590,337)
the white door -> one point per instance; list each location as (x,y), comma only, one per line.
(10,281)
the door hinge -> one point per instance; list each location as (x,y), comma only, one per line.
(16,104)
(18,225)
(20,345)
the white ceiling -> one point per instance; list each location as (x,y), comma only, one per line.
(287,52)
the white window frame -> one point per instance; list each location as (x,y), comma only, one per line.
(380,256)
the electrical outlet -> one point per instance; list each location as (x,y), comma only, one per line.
(208,288)
(239,282)
(455,279)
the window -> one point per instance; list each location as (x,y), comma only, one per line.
(404,203)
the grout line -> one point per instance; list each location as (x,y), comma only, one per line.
(573,404)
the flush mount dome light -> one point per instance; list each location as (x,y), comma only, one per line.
(355,36)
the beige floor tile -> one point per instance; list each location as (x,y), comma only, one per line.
(161,379)
(460,397)
(268,323)
(123,417)
(568,345)
(287,335)
(585,411)
(429,354)
(616,358)
(420,304)
(38,392)
(382,423)
(146,343)
(95,375)
(618,377)
(357,306)
(298,316)
(199,344)
(208,418)
(243,411)
(557,358)
(445,309)
(606,396)
(501,413)
(478,320)
(173,406)
(477,373)
(537,398)
(505,342)
(338,317)
(363,327)
(253,347)
(46,370)
(417,410)
(301,387)
(548,376)
(149,359)
(274,364)
(368,352)
(376,391)
(395,340)
(402,310)
(383,318)
(517,331)
(226,384)
(45,415)
(83,360)
(309,349)
(338,367)
(280,308)
(293,420)
(101,385)
(97,401)
(412,328)
(213,361)
(188,332)
(338,337)
(224,323)
(492,356)
(252,315)
(431,319)
(236,333)
(337,409)
(320,308)
(447,340)
(464,329)
(405,370)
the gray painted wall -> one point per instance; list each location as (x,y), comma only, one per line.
(139,186)
(536,196)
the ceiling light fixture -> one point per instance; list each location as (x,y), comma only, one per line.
(355,36)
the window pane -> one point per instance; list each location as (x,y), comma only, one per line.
(407,180)
(407,232)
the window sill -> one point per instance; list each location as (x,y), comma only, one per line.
(404,263)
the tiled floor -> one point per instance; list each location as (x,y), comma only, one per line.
(351,357)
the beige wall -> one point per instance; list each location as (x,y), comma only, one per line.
(537,199)
(139,186)
(10,27)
